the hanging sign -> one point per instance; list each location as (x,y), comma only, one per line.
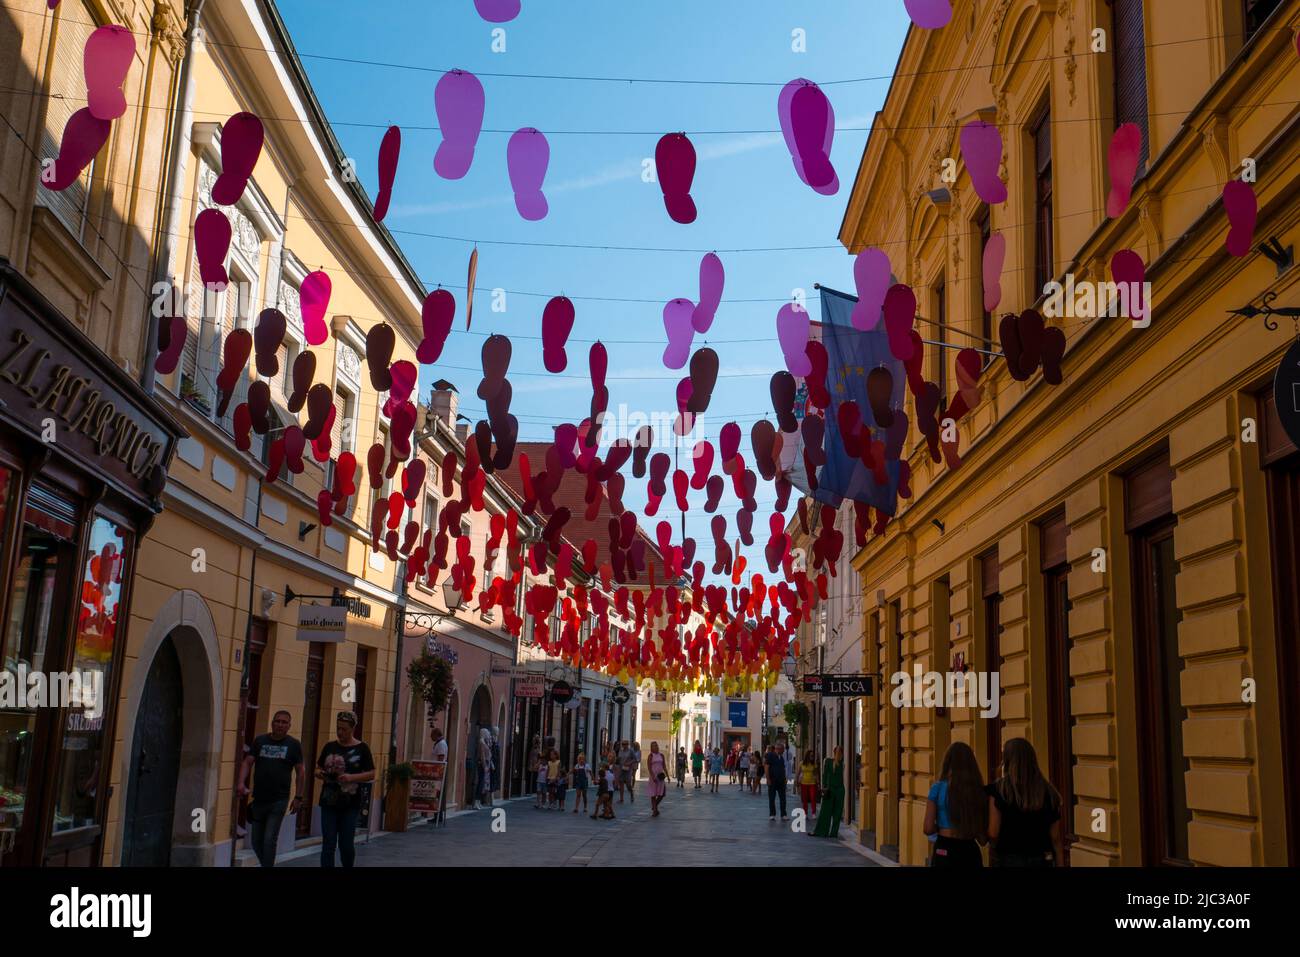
(561,692)
(530,686)
(1286,392)
(328,623)
(620,695)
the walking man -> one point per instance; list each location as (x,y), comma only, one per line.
(273,758)
(775,763)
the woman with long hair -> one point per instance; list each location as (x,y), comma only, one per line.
(956,811)
(828,822)
(1024,811)
(657,765)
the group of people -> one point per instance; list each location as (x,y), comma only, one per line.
(615,772)
(1018,816)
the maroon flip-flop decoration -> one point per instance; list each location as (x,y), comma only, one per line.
(1129,273)
(685,420)
(106,59)
(762,439)
(241,145)
(381,340)
(375,465)
(459,101)
(872,279)
(677,326)
(704,377)
(880,391)
(436,316)
(1122,162)
(403,375)
(235,351)
(268,336)
(390,149)
(295,443)
(557,323)
(322,443)
(900,314)
(84,136)
(211,243)
(1052,351)
(808,125)
(849,418)
(259,406)
(275,460)
(712,279)
(816,378)
(728,444)
(782,389)
(714,488)
(1242,208)
(314,300)
(1009,340)
(681,482)
(172,331)
(929,14)
(242,426)
(813,431)
(527,156)
(675,169)
(304,373)
(702,462)
(320,401)
(495,356)
(641,444)
(981,147)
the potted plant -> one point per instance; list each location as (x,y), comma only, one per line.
(678,714)
(398,778)
(430,678)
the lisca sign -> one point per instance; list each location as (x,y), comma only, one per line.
(838,686)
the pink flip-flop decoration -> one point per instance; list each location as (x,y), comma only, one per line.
(675,170)
(677,324)
(527,156)
(981,146)
(712,278)
(808,125)
(929,14)
(871,276)
(459,101)
(792,325)
(107,59)
(404,374)
(1122,161)
(83,137)
(436,315)
(314,300)
(728,442)
(497,11)
(211,243)
(557,323)
(1242,207)
(390,148)
(995,253)
(241,145)
(1128,269)
(900,313)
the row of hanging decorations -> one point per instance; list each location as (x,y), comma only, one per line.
(850,446)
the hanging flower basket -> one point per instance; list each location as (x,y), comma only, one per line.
(431,678)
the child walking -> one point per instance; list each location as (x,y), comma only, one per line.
(543,766)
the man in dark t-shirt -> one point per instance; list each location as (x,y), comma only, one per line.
(775,762)
(276,762)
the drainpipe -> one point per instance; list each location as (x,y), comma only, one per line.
(169,226)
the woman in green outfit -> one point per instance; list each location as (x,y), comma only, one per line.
(828,821)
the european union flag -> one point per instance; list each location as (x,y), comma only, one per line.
(851,355)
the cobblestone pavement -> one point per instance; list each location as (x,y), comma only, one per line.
(695,828)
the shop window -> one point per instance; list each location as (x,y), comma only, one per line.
(67,86)
(80,772)
(1040,133)
(1056,615)
(1128,45)
(990,590)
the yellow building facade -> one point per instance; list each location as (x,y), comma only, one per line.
(1118,549)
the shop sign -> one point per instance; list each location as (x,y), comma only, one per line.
(620,695)
(1286,392)
(846,686)
(327,623)
(49,385)
(812,684)
(426,786)
(561,692)
(738,714)
(530,686)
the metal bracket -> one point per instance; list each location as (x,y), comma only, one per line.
(1266,310)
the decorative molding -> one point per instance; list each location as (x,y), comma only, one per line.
(1214,140)
(349,365)
(1066,13)
(1149,219)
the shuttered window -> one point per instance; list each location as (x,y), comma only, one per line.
(67,95)
(1041,135)
(1128,39)
(233,316)
(193,319)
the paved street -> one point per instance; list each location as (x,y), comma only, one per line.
(695,828)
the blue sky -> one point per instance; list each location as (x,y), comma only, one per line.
(745,187)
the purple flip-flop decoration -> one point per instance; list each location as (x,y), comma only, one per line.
(1242,207)
(929,14)
(211,243)
(241,145)
(84,136)
(1122,162)
(871,276)
(809,136)
(390,148)
(497,11)
(981,146)
(675,169)
(314,300)
(792,325)
(436,315)
(557,323)
(900,314)
(527,156)
(459,101)
(712,278)
(677,324)
(106,59)
(995,254)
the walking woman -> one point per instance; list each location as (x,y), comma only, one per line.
(681,767)
(828,822)
(657,765)
(344,765)
(808,782)
(697,764)
(1024,812)
(742,761)
(956,810)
